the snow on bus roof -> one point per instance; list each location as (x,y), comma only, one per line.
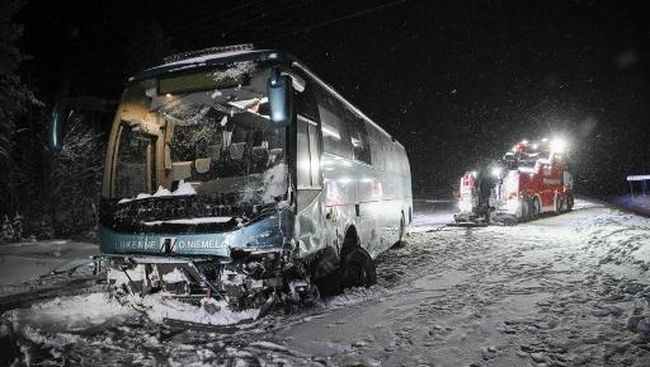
(207,57)
(638,178)
(204,59)
(208,51)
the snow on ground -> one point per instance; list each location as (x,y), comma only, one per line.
(564,290)
(72,314)
(432,214)
(639,204)
(21,264)
(211,312)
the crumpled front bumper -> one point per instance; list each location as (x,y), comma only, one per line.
(263,234)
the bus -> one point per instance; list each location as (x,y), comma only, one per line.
(237,173)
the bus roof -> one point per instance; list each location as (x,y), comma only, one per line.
(212,59)
(204,58)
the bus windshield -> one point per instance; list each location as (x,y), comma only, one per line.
(195,144)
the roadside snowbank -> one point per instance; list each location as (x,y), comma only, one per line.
(638,204)
(21,264)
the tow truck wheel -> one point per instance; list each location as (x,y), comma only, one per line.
(569,202)
(537,209)
(524,210)
(559,205)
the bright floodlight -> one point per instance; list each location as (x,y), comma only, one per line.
(558,145)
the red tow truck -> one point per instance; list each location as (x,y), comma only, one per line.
(530,180)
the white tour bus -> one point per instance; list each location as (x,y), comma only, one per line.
(237,170)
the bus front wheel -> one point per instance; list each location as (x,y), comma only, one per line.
(357,269)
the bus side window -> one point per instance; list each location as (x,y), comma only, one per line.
(308,154)
(308,157)
(378,148)
(314,151)
(335,134)
(305,103)
(358,137)
(303,158)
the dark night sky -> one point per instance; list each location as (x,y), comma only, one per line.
(453,81)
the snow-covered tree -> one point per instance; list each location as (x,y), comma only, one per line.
(7,230)
(15,97)
(76,172)
(17,225)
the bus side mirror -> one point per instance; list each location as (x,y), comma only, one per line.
(57,119)
(280,93)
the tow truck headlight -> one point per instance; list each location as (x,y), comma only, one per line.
(558,145)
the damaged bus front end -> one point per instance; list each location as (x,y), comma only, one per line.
(239,175)
(197,198)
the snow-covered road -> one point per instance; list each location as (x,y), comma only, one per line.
(565,290)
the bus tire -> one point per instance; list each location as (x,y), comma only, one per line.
(329,285)
(326,274)
(357,268)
